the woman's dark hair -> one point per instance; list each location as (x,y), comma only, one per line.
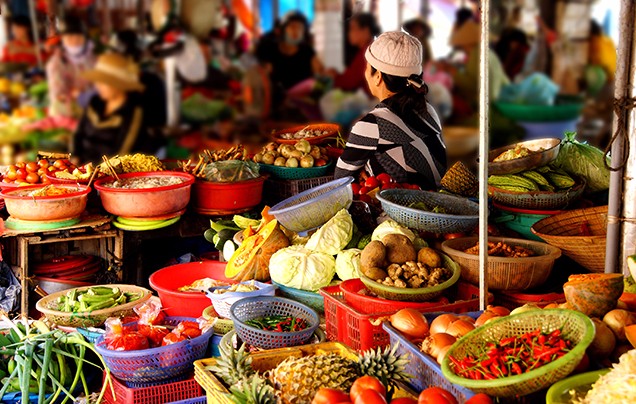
(295,16)
(462,15)
(129,44)
(21,21)
(411,26)
(410,94)
(367,20)
(595,28)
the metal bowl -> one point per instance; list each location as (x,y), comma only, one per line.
(550,151)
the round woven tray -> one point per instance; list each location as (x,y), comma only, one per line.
(48,306)
(565,232)
(574,326)
(299,173)
(463,214)
(538,200)
(505,273)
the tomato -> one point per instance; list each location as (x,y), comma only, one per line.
(128,341)
(59,164)
(21,174)
(372,183)
(355,188)
(384,178)
(370,396)
(20,165)
(436,395)
(11,175)
(404,400)
(365,190)
(172,338)
(389,185)
(330,396)
(43,163)
(32,178)
(451,236)
(320,162)
(155,334)
(480,398)
(13,168)
(366,383)
(32,167)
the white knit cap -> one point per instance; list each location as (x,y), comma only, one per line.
(396,53)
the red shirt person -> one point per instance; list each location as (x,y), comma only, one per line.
(20,49)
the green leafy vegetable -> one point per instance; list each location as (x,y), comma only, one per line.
(585,161)
(301,268)
(334,235)
(348,264)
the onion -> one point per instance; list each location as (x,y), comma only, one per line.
(551,306)
(498,310)
(442,353)
(525,307)
(492,319)
(617,320)
(459,328)
(485,316)
(435,342)
(604,340)
(441,323)
(411,323)
(468,319)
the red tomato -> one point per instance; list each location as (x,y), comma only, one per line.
(480,398)
(355,188)
(365,198)
(13,168)
(372,183)
(366,383)
(21,174)
(330,396)
(404,400)
(389,185)
(365,190)
(11,175)
(450,236)
(59,164)
(384,178)
(43,163)
(32,167)
(320,162)
(20,165)
(370,396)
(32,178)
(436,395)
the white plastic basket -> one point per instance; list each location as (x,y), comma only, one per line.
(223,301)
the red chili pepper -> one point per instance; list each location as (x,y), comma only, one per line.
(516,369)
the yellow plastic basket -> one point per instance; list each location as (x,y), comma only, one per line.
(216,392)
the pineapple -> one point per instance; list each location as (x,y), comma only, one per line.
(233,366)
(254,390)
(459,180)
(298,379)
(384,365)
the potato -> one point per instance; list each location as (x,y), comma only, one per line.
(373,255)
(375,273)
(429,257)
(399,249)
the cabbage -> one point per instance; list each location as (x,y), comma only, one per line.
(585,161)
(334,235)
(391,227)
(301,268)
(348,264)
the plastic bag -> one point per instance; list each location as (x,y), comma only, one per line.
(536,89)
(585,161)
(150,313)
(199,109)
(9,289)
(118,338)
(231,171)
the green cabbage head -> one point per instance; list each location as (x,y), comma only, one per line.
(390,226)
(348,264)
(334,235)
(301,268)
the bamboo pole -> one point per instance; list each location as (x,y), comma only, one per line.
(484,52)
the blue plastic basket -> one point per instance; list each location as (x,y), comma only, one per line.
(312,208)
(155,365)
(299,173)
(463,214)
(311,299)
(263,306)
(425,370)
(196,400)
(91,336)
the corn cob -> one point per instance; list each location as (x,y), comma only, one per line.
(513,181)
(561,181)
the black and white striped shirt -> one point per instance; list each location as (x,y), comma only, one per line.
(410,152)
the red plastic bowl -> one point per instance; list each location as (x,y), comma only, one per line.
(146,202)
(45,208)
(168,280)
(235,196)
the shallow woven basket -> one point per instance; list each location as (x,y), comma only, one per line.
(414,294)
(538,200)
(565,232)
(505,273)
(574,326)
(463,214)
(48,306)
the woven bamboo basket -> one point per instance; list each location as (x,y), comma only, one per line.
(565,231)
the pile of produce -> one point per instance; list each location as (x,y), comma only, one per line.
(278,323)
(145,182)
(369,184)
(305,133)
(546,178)
(501,249)
(94,298)
(517,152)
(35,172)
(616,387)
(223,165)
(585,161)
(134,163)
(302,154)
(49,363)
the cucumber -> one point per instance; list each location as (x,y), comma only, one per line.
(228,249)
(209,235)
(224,235)
(244,222)
(220,225)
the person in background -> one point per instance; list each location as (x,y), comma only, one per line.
(420,29)
(512,49)
(113,122)
(402,135)
(362,29)
(67,88)
(602,50)
(20,49)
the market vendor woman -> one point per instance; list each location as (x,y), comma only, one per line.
(113,121)
(402,135)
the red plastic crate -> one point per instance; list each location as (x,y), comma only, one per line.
(159,394)
(353,328)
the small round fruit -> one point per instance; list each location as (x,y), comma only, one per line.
(330,396)
(366,383)
(20,165)
(11,175)
(32,178)
(280,162)
(404,400)
(43,163)
(32,167)
(370,396)
(21,174)
(436,395)
(292,162)
(480,398)
(59,164)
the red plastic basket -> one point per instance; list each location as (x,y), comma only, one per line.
(353,328)
(513,300)
(159,394)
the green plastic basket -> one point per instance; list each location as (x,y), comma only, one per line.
(289,173)
(574,326)
(540,113)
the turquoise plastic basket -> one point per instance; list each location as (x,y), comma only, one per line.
(289,173)
(540,113)
(463,214)
(311,299)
